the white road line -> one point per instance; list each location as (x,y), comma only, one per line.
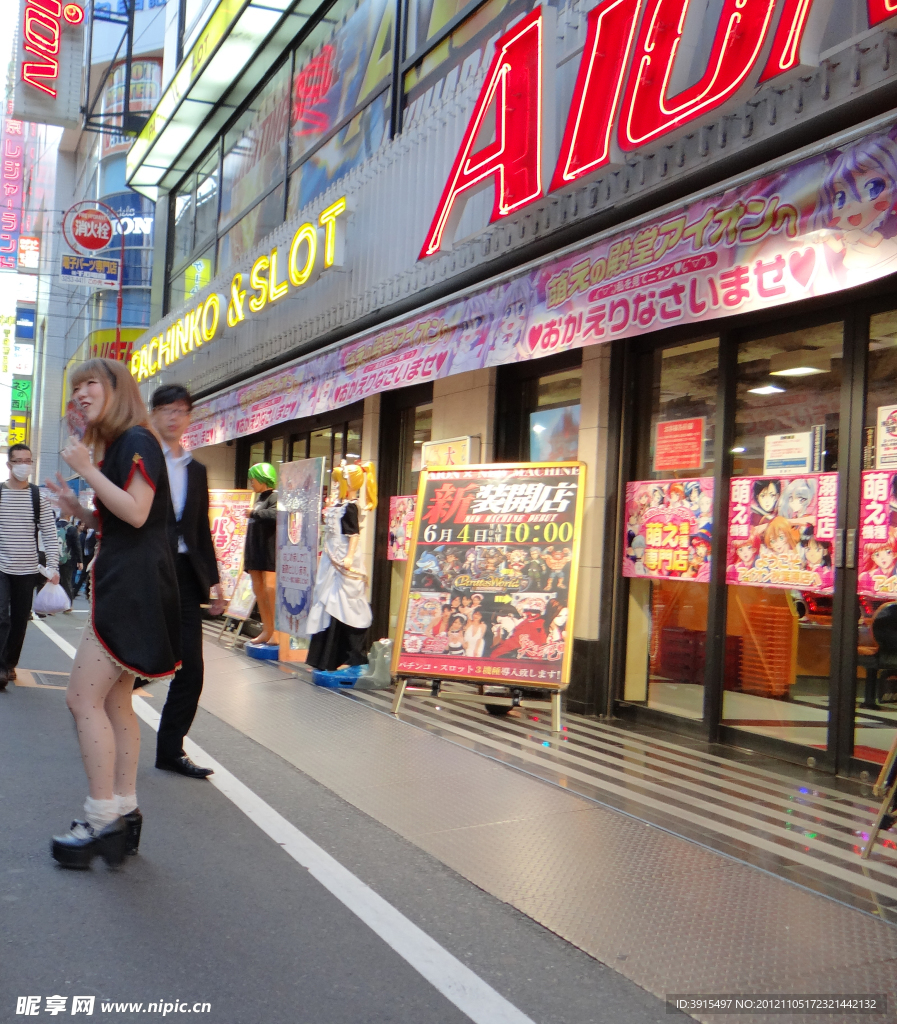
(63,645)
(457,982)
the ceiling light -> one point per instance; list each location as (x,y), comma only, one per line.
(800,362)
(767,389)
(738,451)
(797,371)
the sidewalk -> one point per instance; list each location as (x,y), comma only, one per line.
(697,901)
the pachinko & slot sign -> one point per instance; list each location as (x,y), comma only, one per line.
(782,532)
(491,581)
(669,529)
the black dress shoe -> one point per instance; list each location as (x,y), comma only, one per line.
(184,766)
(4,678)
(134,821)
(78,847)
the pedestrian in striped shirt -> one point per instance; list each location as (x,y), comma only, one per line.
(24,510)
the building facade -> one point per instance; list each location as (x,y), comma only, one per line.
(655,236)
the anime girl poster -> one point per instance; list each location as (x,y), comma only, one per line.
(877,554)
(782,532)
(669,529)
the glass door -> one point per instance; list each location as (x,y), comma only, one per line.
(874,603)
(668,510)
(782,528)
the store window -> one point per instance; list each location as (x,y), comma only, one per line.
(415,430)
(261,220)
(340,107)
(182,214)
(669,528)
(876,552)
(207,199)
(254,149)
(553,422)
(455,56)
(782,528)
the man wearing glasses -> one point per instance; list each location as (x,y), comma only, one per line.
(24,510)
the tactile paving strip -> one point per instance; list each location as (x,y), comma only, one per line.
(667,913)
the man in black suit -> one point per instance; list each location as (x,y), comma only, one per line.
(197,570)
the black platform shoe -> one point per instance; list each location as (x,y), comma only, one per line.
(134,821)
(78,847)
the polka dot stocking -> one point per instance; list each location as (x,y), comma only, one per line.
(99,698)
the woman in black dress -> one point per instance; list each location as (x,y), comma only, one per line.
(134,627)
(259,558)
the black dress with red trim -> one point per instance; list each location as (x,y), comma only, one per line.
(135,603)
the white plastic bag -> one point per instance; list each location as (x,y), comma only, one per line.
(51,598)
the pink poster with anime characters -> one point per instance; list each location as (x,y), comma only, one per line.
(877,554)
(669,529)
(782,531)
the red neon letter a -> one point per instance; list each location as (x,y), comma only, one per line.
(513,161)
(586,145)
(648,112)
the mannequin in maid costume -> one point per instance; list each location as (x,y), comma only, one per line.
(341,615)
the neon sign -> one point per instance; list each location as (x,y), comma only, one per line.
(624,98)
(312,250)
(42,31)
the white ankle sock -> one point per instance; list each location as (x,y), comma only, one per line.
(100,813)
(126,804)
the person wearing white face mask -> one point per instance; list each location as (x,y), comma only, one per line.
(23,511)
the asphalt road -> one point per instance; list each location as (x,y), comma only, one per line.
(215,911)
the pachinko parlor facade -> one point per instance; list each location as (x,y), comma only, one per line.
(696,304)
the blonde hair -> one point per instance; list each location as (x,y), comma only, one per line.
(123,407)
(359,476)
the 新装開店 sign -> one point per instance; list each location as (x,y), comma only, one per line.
(490,587)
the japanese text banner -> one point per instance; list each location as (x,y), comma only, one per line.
(777,240)
(491,582)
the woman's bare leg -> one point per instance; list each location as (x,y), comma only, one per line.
(93,677)
(266,607)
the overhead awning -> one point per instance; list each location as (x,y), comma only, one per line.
(238,46)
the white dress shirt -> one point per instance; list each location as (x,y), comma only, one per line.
(177,484)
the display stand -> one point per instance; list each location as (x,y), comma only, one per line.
(239,608)
(885,787)
(513,700)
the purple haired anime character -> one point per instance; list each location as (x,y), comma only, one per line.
(509,332)
(855,213)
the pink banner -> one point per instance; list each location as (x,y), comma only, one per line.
(877,553)
(669,529)
(811,229)
(782,530)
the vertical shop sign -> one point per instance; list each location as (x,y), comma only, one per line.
(299,488)
(489,595)
(12,144)
(878,535)
(781,532)
(669,529)
(228,522)
(679,444)
(49,63)
(401,523)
